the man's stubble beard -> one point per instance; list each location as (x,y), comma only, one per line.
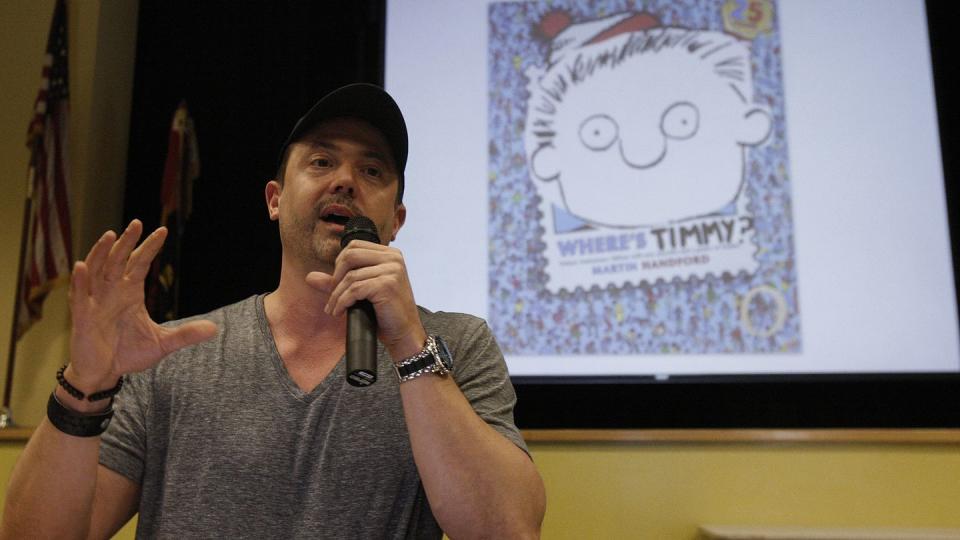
(315,245)
(309,243)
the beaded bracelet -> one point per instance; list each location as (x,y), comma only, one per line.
(77,393)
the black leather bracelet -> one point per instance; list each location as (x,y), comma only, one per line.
(77,393)
(74,423)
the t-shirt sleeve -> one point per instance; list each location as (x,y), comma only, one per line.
(123,445)
(481,373)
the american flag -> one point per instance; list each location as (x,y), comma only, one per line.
(47,254)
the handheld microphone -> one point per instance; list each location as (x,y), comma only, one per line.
(361,318)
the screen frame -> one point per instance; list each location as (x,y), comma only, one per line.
(782,401)
(788,401)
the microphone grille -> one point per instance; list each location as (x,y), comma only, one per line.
(359,228)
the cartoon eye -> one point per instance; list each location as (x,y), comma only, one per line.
(680,121)
(598,132)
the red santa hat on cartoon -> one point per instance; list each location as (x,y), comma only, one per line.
(565,36)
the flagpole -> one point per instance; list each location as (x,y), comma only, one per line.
(6,417)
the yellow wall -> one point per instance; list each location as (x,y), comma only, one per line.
(667,490)
(102,39)
(594,490)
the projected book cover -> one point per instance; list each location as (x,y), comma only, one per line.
(639,186)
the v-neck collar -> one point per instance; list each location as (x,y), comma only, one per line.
(336,377)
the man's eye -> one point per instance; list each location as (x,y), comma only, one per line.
(320,162)
(373,171)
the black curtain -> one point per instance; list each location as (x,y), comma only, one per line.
(247,70)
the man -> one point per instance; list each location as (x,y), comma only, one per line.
(241,424)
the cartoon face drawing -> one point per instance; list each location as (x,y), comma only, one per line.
(651,126)
(639,181)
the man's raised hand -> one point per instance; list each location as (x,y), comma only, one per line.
(112,331)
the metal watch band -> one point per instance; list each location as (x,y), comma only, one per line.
(417,368)
(425,361)
(74,423)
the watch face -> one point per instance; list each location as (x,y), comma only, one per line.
(445,357)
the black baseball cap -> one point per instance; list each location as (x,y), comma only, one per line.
(364,101)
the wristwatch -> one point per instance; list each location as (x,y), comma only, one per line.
(434,358)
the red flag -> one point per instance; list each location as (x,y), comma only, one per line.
(47,252)
(179,172)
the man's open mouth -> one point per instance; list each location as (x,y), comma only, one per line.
(336,214)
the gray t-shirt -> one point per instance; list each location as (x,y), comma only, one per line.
(225,445)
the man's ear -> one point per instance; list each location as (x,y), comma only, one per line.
(755,128)
(543,163)
(272,194)
(399,217)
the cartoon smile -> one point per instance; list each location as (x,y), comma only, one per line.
(649,164)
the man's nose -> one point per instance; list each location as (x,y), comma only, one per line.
(345,180)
